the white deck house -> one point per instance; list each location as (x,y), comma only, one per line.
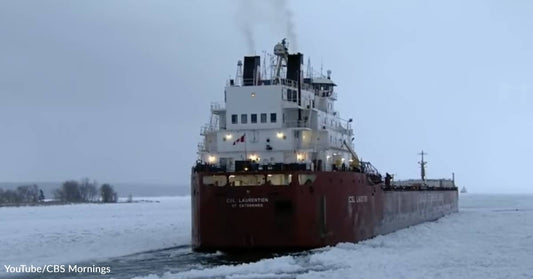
(284,118)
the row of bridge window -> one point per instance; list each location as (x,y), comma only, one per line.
(253,118)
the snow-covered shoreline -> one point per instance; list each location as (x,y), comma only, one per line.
(81,232)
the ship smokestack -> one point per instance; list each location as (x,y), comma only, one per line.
(251,70)
(294,65)
(294,73)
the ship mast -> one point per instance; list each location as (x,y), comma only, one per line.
(238,75)
(422,165)
(281,51)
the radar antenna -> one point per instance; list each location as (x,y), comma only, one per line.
(281,51)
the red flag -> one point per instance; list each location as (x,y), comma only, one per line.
(241,139)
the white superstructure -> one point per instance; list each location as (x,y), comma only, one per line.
(273,115)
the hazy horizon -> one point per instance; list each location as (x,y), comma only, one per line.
(118,91)
(180,187)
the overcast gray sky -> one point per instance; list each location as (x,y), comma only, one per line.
(117,90)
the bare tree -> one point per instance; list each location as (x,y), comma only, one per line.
(59,195)
(92,191)
(88,190)
(69,192)
(108,194)
(11,196)
(28,193)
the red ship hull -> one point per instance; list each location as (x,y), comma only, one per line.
(336,207)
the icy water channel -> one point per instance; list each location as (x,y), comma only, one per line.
(153,264)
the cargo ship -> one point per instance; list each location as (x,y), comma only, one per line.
(278,171)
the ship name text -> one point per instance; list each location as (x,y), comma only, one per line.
(246,202)
(357,199)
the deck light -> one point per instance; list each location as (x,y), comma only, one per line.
(254,157)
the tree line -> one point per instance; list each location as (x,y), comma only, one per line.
(85,191)
(23,194)
(70,191)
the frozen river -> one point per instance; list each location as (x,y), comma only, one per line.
(490,237)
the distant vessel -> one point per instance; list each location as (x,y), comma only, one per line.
(277,169)
(463,190)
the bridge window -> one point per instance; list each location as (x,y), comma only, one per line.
(292,95)
(273,118)
(253,118)
(215,180)
(263,117)
(244,118)
(234,119)
(247,180)
(279,179)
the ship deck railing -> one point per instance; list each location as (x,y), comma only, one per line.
(207,129)
(417,188)
(282,81)
(328,93)
(325,93)
(215,107)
